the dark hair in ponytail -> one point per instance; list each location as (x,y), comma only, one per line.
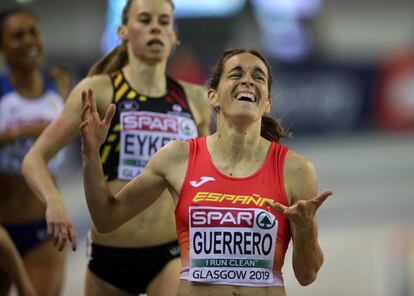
(118,57)
(272,128)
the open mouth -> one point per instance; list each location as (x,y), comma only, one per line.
(246,97)
(31,52)
(155,42)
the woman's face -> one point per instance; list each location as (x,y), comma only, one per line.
(22,41)
(243,89)
(150,30)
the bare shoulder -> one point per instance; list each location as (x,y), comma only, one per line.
(175,150)
(197,99)
(297,164)
(101,86)
(193,89)
(300,177)
(171,157)
(196,93)
(61,77)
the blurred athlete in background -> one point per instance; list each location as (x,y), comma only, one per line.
(30,98)
(141,256)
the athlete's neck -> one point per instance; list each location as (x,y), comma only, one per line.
(238,131)
(231,148)
(28,83)
(149,80)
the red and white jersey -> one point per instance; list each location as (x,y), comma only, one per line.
(225,231)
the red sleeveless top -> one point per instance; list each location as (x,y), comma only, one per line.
(225,231)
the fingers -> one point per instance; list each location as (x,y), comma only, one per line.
(55,234)
(317,201)
(87,99)
(89,108)
(61,233)
(85,111)
(63,238)
(278,207)
(91,101)
(73,237)
(110,112)
(82,126)
(84,98)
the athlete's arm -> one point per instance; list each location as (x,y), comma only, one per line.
(33,129)
(197,99)
(12,265)
(108,211)
(62,79)
(301,188)
(58,134)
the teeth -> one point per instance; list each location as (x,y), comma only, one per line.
(32,52)
(246,95)
(152,42)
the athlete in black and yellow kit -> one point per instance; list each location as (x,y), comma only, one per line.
(152,109)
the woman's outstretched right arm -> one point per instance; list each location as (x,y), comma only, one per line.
(58,134)
(108,211)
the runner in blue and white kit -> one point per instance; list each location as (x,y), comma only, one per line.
(30,98)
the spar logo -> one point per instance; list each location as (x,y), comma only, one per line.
(222,218)
(265,221)
(188,128)
(148,121)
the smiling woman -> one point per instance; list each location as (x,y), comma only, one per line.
(232,240)
(30,98)
(271,128)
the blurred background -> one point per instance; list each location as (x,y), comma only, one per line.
(343,85)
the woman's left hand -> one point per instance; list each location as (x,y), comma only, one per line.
(302,213)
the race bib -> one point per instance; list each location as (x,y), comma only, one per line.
(144,133)
(231,245)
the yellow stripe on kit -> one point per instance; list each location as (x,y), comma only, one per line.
(111,138)
(131,95)
(143,98)
(117,128)
(117,80)
(120,92)
(105,153)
